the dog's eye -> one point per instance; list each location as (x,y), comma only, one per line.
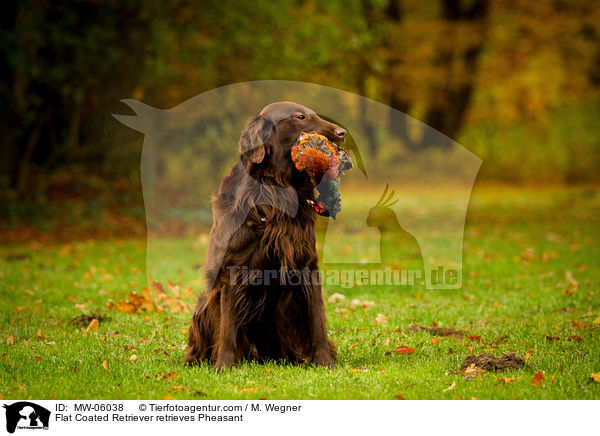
(301,117)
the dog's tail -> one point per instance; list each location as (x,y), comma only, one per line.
(201,337)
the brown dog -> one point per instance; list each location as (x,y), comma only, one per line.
(263,221)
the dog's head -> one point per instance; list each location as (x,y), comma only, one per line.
(267,139)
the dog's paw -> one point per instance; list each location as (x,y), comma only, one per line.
(221,366)
(323,359)
(224,362)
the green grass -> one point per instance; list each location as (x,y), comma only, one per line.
(519,244)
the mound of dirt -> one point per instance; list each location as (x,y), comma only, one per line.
(85,320)
(440,331)
(490,363)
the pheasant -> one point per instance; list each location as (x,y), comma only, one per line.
(324,162)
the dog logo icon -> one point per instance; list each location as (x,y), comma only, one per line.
(26,415)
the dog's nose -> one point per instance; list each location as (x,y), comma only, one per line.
(339,132)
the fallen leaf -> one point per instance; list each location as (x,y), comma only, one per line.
(167,397)
(105,365)
(449,388)
(22,308)
(596,377)
(435,341)
(571,281)
(538,378)
(399,397)
(381,319)
(499,340)
(170,376)
(336,298)
(596,321)
(178,388)
(40,334)
(92,326)
(10,340)
(248,390)
(475,338)
(403,349)
(506,379)
(352,345)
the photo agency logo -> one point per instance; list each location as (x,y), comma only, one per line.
(390,198)
(25,415)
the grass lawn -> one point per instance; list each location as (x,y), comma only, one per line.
(519,245)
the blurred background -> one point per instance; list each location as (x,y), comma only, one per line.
(516,82)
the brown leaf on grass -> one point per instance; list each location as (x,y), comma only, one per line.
(452,386)
(126,307)
(475,338)
(596,321)
(574,284)
(547,255)
(403,349)
(336,298)
(170,376)
(248,390)
(105,365)
(381,319)
(85,320)
(553,338)
(506,379)
(92,326)
(435,341)
(499,340)
(179,388)
(10,340)
(359,369)
(356,303)
(578,324)
(538,378)
(167,397)
(352,345)
(595,377)
(399,397)
(22,308)
(471,371)
(137,303)
(158,287)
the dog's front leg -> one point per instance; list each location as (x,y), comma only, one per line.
(322,354)
(227,333)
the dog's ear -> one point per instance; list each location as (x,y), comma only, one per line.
(255,137)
